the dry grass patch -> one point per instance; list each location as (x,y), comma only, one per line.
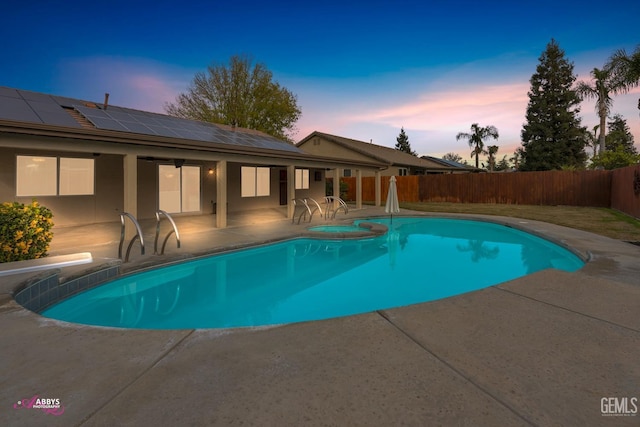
(603,221)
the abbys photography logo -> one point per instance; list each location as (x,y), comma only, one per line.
(619,406)
(47,405)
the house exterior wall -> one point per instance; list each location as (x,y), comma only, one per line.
(237,203)
(107,202)
(103,206)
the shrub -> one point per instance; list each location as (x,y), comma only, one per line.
(25,231)
(344,188)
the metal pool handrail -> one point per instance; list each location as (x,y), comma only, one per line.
(330,206)
(305,203)
(137,236)
(175,230)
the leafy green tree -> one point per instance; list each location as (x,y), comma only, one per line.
(239,94)
(614,159)
(552,136)
(517,158)
(476,139)
(626,69)
(620,135)
(402,143)
(454,157)
(503,164)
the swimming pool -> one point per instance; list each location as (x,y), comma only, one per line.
(417,260)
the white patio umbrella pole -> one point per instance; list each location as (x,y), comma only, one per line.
(392,206)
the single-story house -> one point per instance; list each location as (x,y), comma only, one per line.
(395,162)
(89,162)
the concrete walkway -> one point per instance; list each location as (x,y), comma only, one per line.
(541,350)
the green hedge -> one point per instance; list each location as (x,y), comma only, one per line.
(25,231)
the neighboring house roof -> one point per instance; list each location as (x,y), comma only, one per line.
(32,107)
(386,155)
(450,163)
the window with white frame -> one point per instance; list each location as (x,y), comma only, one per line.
(302,179)
(347,173)
(254,181)
(403,171)
(53,176)
(178,188)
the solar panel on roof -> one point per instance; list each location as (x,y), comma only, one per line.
(58,118)
(8,92)
(64,102)
(162,131)
(121,116)
(48,105)
(17,109)
(35,96)
(156,124)
(106,123)
(137,128)
(91,112)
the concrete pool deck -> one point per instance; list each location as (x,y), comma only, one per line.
(541,350)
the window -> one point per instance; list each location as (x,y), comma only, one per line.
(302,179)
(178,188)
(76,176)
(255,181)
(347,173)
(52,176)
(402,172)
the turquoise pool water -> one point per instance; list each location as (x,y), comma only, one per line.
(419,259)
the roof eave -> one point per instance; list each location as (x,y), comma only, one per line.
(126,138)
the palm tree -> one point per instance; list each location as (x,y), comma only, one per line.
(625,69)
(603,85)
(592,140)
(476,137)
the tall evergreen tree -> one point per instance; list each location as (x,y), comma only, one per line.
(552,137)
(402,143)
(620,136)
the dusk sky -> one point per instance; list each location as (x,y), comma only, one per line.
(361,70)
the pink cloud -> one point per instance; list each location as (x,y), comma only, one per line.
(131,82)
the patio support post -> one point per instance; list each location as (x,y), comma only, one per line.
(221,194)
(378,189)
(130,205)
(358,189)
(291,190)
(336,187)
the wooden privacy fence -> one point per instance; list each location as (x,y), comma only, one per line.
(580,188)
(625,190)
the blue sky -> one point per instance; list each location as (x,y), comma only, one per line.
(361,70)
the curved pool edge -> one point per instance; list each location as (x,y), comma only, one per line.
(565,237)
